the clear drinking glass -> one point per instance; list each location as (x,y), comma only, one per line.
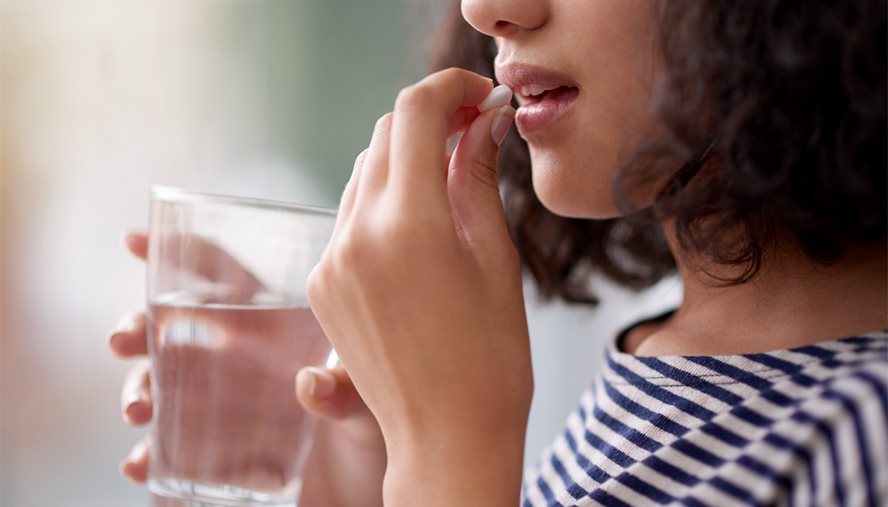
(229,327)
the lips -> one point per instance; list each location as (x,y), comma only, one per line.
(544,95)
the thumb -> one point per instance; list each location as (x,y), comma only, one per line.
(473,179)
(329,393)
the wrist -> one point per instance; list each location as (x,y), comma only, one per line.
(342,473)
(456,466)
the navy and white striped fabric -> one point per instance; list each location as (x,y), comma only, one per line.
(806,426)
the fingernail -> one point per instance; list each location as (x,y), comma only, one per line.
(321,382)
(501,124)
(498,97)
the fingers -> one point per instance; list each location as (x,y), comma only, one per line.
(213,263)
(428,113)
(369,175)
(422,124)
(329,393)
(347,202)
(207,259)
(135,399)
(499,96)
(461,118)
(135,466)
(376,165)
(348,195)
(375,158)
(473,183)
(129,339)
(137,243)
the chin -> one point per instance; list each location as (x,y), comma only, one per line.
(573,197)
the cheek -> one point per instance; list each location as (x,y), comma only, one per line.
(572,183)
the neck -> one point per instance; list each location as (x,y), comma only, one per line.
(792,301)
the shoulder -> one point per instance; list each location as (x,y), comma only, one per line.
(837,425)
(804,426)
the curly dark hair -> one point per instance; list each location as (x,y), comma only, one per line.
(792,144)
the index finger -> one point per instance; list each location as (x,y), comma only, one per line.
(422,123)
(201,256)
(210,260)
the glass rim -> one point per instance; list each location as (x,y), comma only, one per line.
(175,195)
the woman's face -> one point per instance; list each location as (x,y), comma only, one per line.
(582,72)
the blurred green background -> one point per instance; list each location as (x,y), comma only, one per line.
(100,100)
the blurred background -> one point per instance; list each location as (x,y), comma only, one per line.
(99,99)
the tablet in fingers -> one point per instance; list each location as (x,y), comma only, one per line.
(422,124)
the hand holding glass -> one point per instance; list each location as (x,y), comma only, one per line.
(229,328)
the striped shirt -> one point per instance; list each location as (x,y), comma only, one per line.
(805,426)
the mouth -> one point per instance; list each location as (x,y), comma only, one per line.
(544,95)
(529,95)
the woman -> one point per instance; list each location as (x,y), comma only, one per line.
(741,144)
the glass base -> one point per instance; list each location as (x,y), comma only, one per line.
(194,494)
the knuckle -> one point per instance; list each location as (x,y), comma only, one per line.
(414,96)
(314,285)
(349,251)
(393,233)
(398,225)
(348,255)
(455,73)
(359,160)
(383,124)
(455,77)
(484,173)
(320,279)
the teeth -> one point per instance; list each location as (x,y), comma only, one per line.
(533,90)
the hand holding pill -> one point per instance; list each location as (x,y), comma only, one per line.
(420,290)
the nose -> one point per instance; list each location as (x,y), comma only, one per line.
(502,18)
